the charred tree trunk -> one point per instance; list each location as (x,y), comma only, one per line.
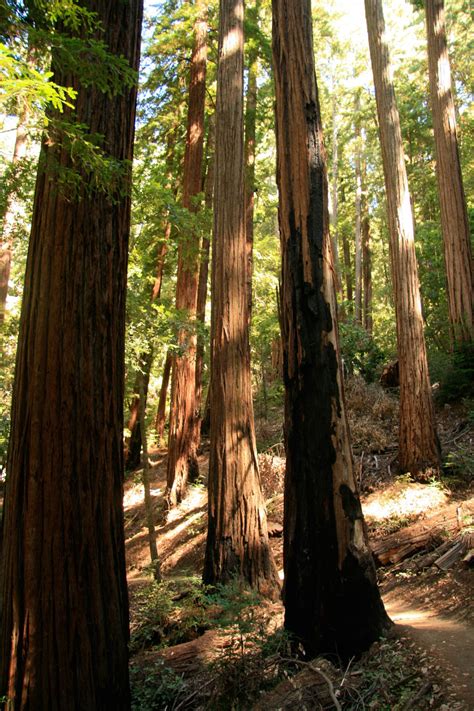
(160,421)
(454,219)
(182,449)
(332,603)
(237,540)
(64,606)
(419,451)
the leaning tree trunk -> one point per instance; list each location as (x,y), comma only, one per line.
(419,451)
(142,379)
(334,214)
(182,448)
(64,607)
(332,603)
(454,219)
(237,540)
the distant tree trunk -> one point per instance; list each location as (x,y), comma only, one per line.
(334,215)
(367,273)
(358,214)
(203,278)
(347,270)
(249,149)
(145,359)
(332,603)
(237,540)
(63,590)
(9,217)
(454,219)
(419,451)
(160,421)
(150,516)
(134,444)
(182,449)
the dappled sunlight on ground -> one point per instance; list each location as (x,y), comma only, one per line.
(403,499)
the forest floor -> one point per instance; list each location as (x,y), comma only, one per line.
(227,651)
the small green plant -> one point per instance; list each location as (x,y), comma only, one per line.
(360,352)
(459,466)
(159,688)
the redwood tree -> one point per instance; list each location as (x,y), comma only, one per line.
(332,603)
(237,540)
(454,219)
(182,455)
(419,451)
(64,608)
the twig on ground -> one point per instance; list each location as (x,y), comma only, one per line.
(328,681)
(423,689)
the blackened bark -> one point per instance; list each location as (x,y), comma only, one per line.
(332,604)
(64,606)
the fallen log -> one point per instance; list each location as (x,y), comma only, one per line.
(446,561)
(428,533)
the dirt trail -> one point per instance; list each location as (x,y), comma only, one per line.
(450,643)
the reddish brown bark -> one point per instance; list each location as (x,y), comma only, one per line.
(358,214)
(454,219)
(418,443)
(237,540)
(160,421)
(203,278)
(64,608)
(367,273)
(332,604)
(182,454)
(249,151)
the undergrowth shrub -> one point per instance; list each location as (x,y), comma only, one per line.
(455,374)
(361,354)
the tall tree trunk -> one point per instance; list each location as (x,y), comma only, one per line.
(419,451)
(358,213)
(237,540)
(203,277)
(334,214)
(249,149)
(454,219)
(160,421)
(142,379)
(347,270)
(332,603)
(11,213)
(367,273)
(182,449)
(145,360)
(64,607)
(149,512)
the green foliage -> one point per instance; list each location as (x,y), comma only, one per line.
(158,688)
(360,352)
(459,467)
(168,613)
(28,85)
(457,375)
